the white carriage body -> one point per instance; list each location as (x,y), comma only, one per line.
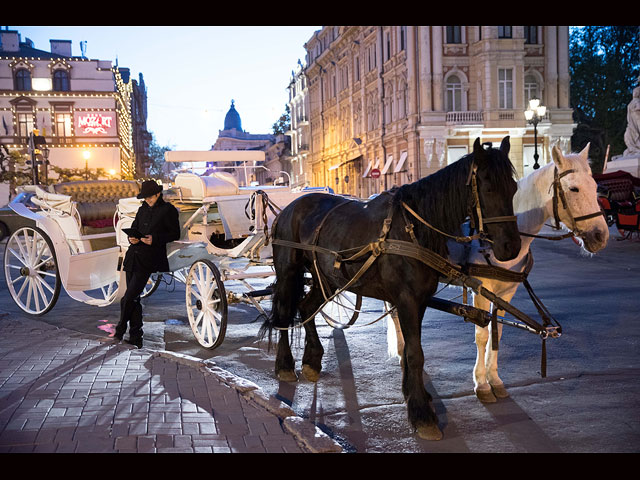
(225,229)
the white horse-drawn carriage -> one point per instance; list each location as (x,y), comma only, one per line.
(78,242)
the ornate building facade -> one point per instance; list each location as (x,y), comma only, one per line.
(388,105)
(82,107)
(299,130)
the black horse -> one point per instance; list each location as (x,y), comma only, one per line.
(444,199)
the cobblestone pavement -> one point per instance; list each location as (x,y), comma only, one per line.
(62,391)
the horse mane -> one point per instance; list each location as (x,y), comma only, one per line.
(442,198)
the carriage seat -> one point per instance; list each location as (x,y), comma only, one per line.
(192,187)
(96,202)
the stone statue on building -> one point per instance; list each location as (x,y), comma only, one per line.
(632,133)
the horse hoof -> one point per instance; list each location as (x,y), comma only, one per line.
(310,374)
(287,376)
(429,432)
(486,395)
(499,391)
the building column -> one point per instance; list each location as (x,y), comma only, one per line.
(437,68)
(424,82)
(551,66)
(563,67)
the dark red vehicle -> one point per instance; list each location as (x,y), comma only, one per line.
(619,197)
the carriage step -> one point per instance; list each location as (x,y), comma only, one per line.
(259,293)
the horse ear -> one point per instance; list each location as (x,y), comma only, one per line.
(479,153)
(556,154)
(505,145)
(584,154)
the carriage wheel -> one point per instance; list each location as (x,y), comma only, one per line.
(152,285)
(343,311)
(206,304)
(31,270)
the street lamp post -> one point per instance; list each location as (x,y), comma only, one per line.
(86,155)
(534,114)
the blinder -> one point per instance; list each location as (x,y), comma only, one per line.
(475,202)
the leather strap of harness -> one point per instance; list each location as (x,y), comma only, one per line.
(499,273)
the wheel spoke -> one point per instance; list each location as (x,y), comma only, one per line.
(38,284)
(42,262)
(17,256)
(24,284)
(41,281)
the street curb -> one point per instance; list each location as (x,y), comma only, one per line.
(306,433)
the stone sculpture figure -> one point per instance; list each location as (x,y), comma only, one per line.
(632,133)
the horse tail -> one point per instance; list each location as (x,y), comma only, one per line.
(288,291)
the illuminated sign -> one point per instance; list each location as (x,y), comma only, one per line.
(95,124)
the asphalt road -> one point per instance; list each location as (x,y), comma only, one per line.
(589,401)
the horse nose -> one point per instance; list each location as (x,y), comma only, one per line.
(598,236)
(597,239)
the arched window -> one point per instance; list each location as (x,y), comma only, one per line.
(23,79)
(531,88)
(61,81)
(454,94)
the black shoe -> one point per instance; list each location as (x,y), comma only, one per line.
(137,342)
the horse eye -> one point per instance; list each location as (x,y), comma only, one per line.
(574,189)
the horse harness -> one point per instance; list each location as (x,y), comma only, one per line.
(412,249)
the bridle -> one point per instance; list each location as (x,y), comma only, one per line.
(559,193)
(473,204)
(482,221)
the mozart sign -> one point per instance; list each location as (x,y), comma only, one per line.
(95,124)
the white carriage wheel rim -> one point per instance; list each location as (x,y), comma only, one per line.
(205,320)
(341,306)
(32,252)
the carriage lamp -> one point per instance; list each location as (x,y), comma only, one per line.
(534,114)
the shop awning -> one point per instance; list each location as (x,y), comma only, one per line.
(368,169)
(387,165)
(400,165)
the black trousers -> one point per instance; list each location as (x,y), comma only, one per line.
(130,307)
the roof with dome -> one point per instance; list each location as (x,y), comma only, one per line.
(232,119)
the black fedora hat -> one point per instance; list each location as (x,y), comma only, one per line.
(149,188)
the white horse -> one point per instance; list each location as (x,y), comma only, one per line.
(568,176)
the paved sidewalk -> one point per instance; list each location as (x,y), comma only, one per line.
(62,391)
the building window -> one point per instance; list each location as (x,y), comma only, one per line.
(23,80)
(504,32)
(454,94)
(25,126)
(371,57)
(505,88)
(61,81)
(531,88)
(62,124)
(388,37)
(454,34)
(530,35)
(403,36)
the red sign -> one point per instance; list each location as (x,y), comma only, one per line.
(375,173)
(95,123)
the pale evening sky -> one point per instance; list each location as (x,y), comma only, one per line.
(193,72)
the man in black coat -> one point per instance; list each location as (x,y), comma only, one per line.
(158,222)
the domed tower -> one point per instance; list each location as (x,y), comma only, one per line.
(234,138)
(232,119)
